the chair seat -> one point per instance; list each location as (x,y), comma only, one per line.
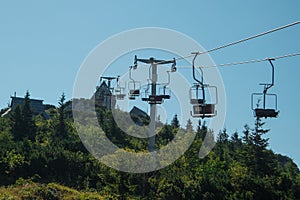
(259,112)
(134,92)
(204,111)
(197,101)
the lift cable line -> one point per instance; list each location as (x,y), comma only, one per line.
(246,62)
(235,42)
(248,38)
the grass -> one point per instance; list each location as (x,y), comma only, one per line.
(49,191)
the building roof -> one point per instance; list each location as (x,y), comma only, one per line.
(36,106)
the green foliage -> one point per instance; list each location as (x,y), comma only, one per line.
(23,125)
(175,122)
(62,118)
(26,189)
(237,168)
(29,127)
(17,128)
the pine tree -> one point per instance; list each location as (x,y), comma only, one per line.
(23,122)
(256,135)
(175,122)
(189,126)
(246,137)
(62,117)
(246,155)
(263,162)
(222,147)
(235,138)
(29,126)
(223,136)
(201,130)
(235,141)
(17,126)
(60,123)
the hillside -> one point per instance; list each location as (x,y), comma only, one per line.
(29,190)
(51,155)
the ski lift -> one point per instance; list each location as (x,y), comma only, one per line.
(119,91)
(133,86)
(202,108)
(265,111)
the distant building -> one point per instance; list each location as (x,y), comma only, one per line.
(36,105)
(140,117)
(104,97)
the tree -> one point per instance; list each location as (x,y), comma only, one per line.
(223,136)
(235,143)
(175,122)
(29,126)
(246,137)
(17,126)
(60,127)
(263,160)
(222,144)
(235,139)
(256,135)
(189,126)
(23,122)
(201,130)
(62,118)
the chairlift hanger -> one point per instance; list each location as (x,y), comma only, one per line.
(200,107)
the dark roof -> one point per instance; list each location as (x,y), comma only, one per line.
(22,99)
(36,106)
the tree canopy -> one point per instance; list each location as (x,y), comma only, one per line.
(239,167)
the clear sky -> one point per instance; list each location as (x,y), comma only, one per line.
(43,43)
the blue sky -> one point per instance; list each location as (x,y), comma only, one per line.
(43,44)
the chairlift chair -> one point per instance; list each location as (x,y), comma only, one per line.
(133,86)
(199,102)
(119,91)
(263,111)
(202,108)
(152,99)
(134,90)
(165,92)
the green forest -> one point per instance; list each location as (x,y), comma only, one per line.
(45,159)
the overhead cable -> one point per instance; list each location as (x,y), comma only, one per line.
(238,41)
(246,62)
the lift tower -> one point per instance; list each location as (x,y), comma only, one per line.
(153,98)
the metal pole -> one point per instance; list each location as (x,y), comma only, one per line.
(151,144)
(152,100)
